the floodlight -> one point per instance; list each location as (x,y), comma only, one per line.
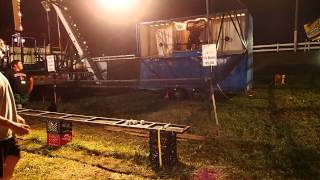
(116,5)
(46,5)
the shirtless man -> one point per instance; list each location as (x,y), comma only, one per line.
(10,124)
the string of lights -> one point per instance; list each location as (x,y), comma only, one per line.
(17,15)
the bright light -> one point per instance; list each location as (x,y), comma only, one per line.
(116,5)
(180,25)
(117,12)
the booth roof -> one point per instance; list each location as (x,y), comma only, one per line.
(217,14)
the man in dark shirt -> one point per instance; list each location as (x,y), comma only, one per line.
(21,83)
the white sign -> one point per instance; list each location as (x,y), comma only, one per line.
(50,63)
(209,55)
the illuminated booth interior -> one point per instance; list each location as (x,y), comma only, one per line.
(164,38)
(171,49)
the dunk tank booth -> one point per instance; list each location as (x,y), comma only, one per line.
(171,51)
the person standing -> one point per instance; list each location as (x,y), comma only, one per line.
(21,83)
(3,55)
(10,124)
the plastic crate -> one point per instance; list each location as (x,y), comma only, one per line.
(58,132)
(58,126)
(168,149)
(59,139)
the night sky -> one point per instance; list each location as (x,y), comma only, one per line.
(112,33)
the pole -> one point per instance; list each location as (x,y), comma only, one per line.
(46,5)
(59,34)
(21,49)
(295,33)
(213,99)
(211,72)
(49,31)
(55,88)
(208,23)
(11,58)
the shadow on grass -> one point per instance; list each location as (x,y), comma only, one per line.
(178,171)
(262,159)
(181,170)
(124,106)
(292,158)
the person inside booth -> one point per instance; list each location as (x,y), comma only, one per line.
(195,28)
(21,83)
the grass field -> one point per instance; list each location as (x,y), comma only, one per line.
(273,134)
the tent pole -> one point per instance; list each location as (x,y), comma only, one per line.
(295,33)
(208,23)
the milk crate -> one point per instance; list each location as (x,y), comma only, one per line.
(58,126)
(168,149)
(58,132)
(59,139)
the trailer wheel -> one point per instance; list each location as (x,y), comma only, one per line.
(198,94)
(180,93)
(167,94)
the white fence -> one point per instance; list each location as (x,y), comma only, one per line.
(112,58)
(305,46)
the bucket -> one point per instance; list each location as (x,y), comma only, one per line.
(279,79)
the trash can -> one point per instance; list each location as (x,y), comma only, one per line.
(168,149)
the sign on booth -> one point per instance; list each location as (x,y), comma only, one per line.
(209,55)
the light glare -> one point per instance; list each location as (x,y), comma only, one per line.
(116,5)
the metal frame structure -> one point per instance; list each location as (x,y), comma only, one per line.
(82,51)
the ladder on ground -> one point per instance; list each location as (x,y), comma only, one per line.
(116,122)
(162,136)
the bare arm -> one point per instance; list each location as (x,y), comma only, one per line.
(20,119)
(17,127)
(31,83)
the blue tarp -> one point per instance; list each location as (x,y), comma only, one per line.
(230,73)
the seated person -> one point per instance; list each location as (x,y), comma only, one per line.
(195,28)
(194,40)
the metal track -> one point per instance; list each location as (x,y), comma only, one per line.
(122,123)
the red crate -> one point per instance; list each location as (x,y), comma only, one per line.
(59,139)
